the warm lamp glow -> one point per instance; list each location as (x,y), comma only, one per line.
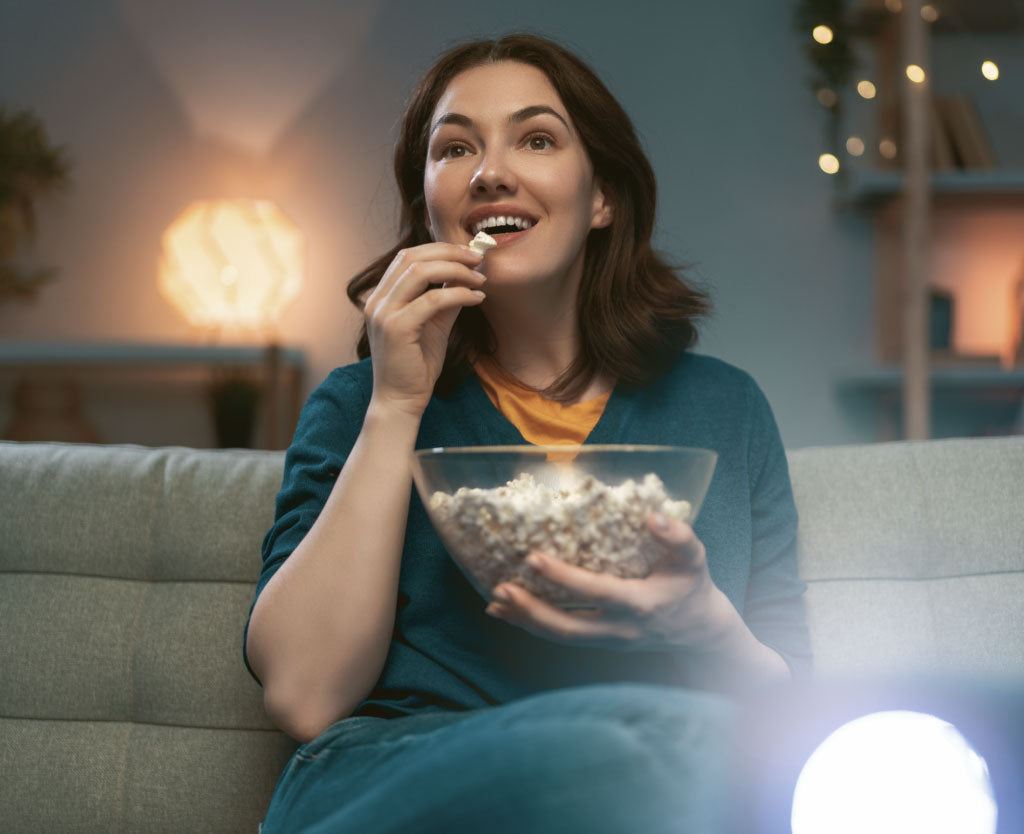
(990,70)
(866,89)
(232,263)
(915,73)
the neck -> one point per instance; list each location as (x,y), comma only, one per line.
(536,328)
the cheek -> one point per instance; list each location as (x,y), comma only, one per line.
(440,199)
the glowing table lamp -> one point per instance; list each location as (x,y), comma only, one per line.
(232,264)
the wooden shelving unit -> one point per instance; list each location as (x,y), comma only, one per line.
(903,198)
(57,374)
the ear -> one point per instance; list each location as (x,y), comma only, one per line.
(602,212)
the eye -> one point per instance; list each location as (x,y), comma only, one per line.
(539,142)
(454,150)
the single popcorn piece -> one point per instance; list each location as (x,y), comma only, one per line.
(590,524)
(482,242)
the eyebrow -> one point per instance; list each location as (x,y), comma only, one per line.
(516,118)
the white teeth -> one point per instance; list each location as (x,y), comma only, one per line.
(502,220)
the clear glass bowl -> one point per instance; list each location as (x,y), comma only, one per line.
(494,505)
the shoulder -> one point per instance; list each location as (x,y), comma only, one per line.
(343,384)
(707,379)
(337,405)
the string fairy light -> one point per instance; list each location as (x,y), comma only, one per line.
(916,74)
(989,70)
(829,36)
(866,89)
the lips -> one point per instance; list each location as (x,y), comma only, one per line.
(499,219)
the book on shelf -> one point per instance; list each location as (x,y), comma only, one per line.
(967,139)
(942,156)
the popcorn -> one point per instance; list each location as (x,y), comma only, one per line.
(589,524)
(482,242)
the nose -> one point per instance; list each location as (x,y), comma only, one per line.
(493,174)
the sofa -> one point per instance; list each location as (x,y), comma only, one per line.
(126,574)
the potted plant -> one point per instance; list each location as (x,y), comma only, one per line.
(30,166)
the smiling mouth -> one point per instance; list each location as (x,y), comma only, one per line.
(501,225)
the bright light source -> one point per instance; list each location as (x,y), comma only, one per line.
(894,773)
(828,163)
(822,34)
(866,89)
(929,13)
(915,73)
(232,263)
(855,146)
(990,70)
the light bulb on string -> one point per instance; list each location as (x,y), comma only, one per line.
(887,148)
(915,73)
(866,89)
(855,146)
(822,34)
(990,70)
(828,163)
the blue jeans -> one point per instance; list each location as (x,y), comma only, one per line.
(616,758)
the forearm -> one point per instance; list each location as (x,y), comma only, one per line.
(735,660)
(321,629)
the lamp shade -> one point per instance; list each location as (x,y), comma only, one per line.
(232,263)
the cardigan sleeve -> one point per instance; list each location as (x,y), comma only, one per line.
(774,605)
(326,432)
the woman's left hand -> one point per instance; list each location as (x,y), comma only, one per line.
(676,606)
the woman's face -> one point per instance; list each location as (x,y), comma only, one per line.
(504,156)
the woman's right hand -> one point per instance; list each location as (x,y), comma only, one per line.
(408,321)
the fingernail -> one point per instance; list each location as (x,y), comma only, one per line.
(534,561)
(502,594)
(660,521)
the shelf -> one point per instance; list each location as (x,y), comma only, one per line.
(965,376)
(49,379)
(967,399)
(130,353)
(868,187)
(956,16)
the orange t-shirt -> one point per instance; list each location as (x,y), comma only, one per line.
(541,421)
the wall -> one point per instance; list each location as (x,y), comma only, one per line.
(161,103)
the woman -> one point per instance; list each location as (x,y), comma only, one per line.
(422,706)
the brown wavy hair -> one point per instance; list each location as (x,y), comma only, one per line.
(635,311)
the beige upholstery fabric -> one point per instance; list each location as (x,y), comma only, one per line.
(126,575)
(914,556)
(125,578)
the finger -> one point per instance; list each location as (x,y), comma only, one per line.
(603,589)
(679,544)
(420,277)
(415,315)
(436,252)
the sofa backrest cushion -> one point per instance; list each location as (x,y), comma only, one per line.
(914,556)
(125,578)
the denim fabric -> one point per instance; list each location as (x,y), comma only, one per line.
(598,759)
